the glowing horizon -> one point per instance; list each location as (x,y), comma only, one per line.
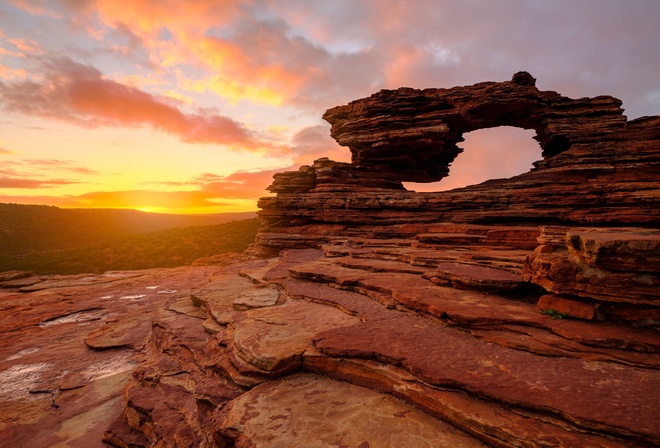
(191,107)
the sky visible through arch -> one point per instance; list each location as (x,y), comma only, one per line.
(191,106)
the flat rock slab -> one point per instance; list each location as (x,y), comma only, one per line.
(590,394)
(377,265)
(257,298)
(217,297)
(350,302)
(478,277)
(274,338)
(311,411)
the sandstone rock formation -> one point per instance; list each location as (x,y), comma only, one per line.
(520,312)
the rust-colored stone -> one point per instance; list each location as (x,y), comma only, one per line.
(561,305)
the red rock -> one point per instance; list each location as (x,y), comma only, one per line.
(632,250)
(575,266)
(579,391)
(8,276)
(477,277)
(566,306)
(597,168)
(412,134)
(312,410)
(273,339)
(54,390)
(257,298)
(494,424)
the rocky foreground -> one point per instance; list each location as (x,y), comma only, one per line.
(345,346)
(521,312)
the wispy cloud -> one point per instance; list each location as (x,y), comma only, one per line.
(63,165)
(45,166)
(22,182)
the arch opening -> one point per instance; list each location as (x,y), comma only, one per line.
(492,153)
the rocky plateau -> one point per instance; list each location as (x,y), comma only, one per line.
(520,312)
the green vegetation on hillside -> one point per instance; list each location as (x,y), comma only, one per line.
(166,248)
(36,228)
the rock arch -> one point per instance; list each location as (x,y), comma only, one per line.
(413,135)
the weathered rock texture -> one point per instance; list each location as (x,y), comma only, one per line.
(68,344)
(521,312)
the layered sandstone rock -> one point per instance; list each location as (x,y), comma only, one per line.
(357,345)
(598,168)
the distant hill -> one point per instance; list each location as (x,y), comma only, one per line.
(34,228)
(166,248)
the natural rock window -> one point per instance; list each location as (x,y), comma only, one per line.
(493,153)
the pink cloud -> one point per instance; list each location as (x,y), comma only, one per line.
(238,185)
(78,93)
(313,142)
(28,6)
(26,46)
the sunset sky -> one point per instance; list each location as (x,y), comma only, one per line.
(190,106)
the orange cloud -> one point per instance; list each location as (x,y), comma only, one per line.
(174,201)
(16,182)
(149,17)
(243,58)
(44,167)
(78,93)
